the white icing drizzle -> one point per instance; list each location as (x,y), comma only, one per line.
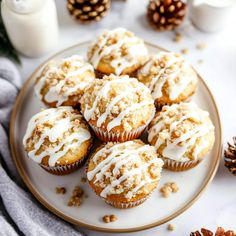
(119,155)
(117,121)
(173,149)
(183,71)
(102,93)
(55,93)
(55,134)
(103,117)
(135,50)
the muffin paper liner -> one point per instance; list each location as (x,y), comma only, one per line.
(108,136)
(126,205)
(121,205)
(64,169)
(179,166)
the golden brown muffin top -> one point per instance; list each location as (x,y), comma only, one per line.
(63,78)
(181,131)
(119,48)
(55,132)
(118,101)
(124,168)
(167,74)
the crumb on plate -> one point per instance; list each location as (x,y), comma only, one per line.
(169,187)
(60,190)
(109,218)
(76,198)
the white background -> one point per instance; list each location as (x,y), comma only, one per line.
(217,206)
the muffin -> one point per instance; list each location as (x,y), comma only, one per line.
(58,139)
(182,135)
(118,108)
(117,51)
(170,78)
(124,174)
(62,82)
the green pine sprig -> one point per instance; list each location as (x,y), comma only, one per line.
(6,48)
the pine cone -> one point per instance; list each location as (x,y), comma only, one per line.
(219,232)
(230,157)
(166,14)
(88,10)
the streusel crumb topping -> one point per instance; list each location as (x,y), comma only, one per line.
(117,101)
(167,74)
(178,131)
(54,132)
(119,48)
(64,78)
(125,168)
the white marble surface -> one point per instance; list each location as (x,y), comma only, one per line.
(217,206)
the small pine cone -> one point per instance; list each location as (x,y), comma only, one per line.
(87,11)
(219,232)
(166,14)
(230,157)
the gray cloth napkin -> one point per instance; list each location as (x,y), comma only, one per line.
(20,214)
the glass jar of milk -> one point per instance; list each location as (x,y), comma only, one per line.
(210,15)
(31,25)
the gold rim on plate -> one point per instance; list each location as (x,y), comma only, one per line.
(59,213)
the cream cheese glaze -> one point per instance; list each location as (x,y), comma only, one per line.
(59,133)
(135,49)
(61,90)
(122,157)
(171,121)
(170,68)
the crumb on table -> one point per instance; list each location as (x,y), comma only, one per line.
(60,190)
(201,46)
(200,61)
(184,51)
(171,227)
(178,37)
(109,218)
(169,187)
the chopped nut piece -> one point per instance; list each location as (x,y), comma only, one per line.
(185,51)
(171,227)
(77,192)
(106,219)
(83,179)
(201,46)
(74,201)
(113,218)
(109,218)
(174,187)
(168,188)
(76,198)
(60,190)
(178,37)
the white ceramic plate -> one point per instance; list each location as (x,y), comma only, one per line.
(155,211)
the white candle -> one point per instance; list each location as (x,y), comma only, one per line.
(31,25)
